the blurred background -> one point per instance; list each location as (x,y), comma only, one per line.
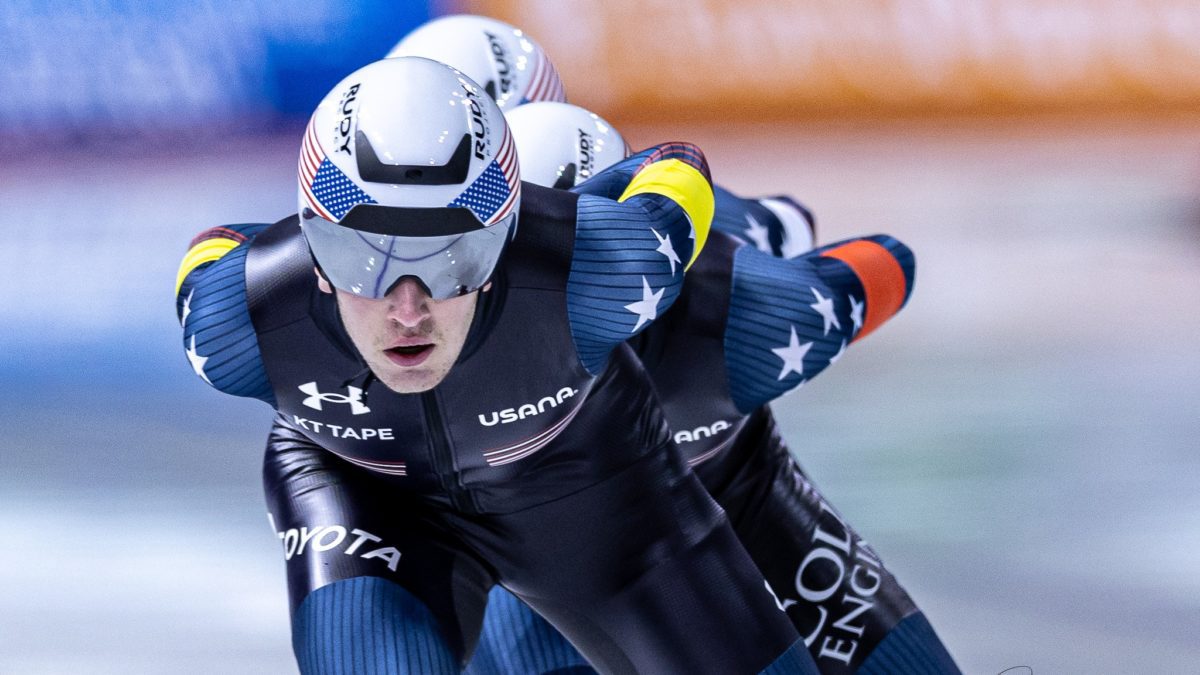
(1021,444)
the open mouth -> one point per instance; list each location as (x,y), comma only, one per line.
(409,355)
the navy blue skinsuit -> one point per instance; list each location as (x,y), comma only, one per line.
(851,611)
(541,462)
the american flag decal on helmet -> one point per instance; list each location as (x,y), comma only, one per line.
(545,84)
(494,193)
(326,189)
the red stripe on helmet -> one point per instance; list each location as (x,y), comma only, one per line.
(539,83)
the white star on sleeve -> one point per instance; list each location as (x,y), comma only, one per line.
(665,248)
(842,350)
(856,313)
(646,308)
(758,234)
(824,307)
(792,355)
(197,360)
(187,308)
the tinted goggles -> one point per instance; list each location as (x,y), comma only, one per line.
(447,249)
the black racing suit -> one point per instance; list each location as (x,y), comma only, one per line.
(542,461)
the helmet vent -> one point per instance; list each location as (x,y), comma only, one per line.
(372,170)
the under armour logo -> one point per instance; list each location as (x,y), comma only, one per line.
(315,396)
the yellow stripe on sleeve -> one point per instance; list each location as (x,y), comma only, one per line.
(203,252)
(683,184)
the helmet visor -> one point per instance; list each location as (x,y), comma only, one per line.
(369,263)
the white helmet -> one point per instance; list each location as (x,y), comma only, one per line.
(408,169)
(797,224)
(512,68)
(562,145)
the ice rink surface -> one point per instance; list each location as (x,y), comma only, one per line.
(1021,444)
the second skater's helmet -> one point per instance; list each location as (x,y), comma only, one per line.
(510,66)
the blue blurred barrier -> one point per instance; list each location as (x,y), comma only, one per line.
(128,66)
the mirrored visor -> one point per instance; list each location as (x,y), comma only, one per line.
(368,263)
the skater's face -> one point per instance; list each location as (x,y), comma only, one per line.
(409,340)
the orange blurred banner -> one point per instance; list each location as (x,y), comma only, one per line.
(785,58)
